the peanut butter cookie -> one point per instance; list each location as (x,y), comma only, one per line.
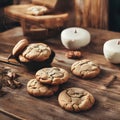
(52,75)
(85,69)
(36,65)
(35,88)
(75,99)
(19,47)
(37,52)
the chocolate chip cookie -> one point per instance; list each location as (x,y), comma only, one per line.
(85,69)
(75,99)
(35,88)
(52,75)
(37,52)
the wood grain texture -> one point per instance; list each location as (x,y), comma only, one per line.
(83,13)
(105,87)
(52,20)
(92,13)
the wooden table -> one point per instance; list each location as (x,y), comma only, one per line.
(18,104)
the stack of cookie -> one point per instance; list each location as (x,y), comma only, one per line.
(47,81)
(34,55)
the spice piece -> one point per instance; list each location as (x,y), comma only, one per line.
(9,78)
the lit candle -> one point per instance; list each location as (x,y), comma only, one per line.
(111,50)
(75,37)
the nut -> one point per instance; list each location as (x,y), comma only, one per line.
(73,54)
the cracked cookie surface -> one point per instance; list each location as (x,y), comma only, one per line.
(37,52)
(35,88)
(85,69)
(75,99)
(52,75)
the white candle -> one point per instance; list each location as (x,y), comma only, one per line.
(75,37)
(111,50)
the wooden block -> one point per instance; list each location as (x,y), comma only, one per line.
(53,20)
(35,32)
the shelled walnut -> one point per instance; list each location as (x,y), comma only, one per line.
(73,54)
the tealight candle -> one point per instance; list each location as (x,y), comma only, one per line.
(75,37)
(111,50)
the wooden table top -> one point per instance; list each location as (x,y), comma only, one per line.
(17,104)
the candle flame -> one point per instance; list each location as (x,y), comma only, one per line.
(75,31)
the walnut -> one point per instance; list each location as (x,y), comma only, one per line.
(73,54)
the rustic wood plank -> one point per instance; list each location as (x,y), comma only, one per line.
(105,87)
(4,116)
(20,102)
(74,81)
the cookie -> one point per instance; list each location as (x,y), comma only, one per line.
(37,10)
(52,75)
(19,47)
(75,99)
(85,69)
(23,59)
(37,89)
(37,52)
(36,65)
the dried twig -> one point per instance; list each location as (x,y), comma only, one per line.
(111,80)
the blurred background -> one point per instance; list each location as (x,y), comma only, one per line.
(100,14)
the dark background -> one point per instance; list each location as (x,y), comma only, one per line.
(5,22)
(5,2)
(114,15)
